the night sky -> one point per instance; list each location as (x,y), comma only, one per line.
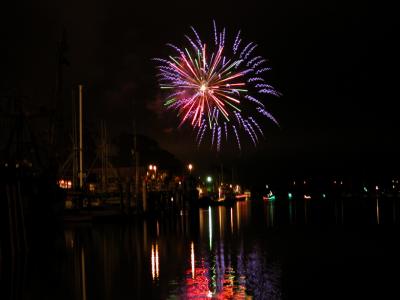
(336,63)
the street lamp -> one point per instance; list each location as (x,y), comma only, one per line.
(209,179)
(190,167)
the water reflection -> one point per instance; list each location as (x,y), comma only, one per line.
(192,259)
(155,262)
(306,210)
(210,229)
(218,252)
(221,276)
(329,211)
(270,213)
(76,264)
(292,213)
(227,268)
(83,274)
(377,211)
(231,218)
(208,253)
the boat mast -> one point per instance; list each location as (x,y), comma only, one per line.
(80,140)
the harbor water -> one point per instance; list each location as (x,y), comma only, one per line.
(255,249)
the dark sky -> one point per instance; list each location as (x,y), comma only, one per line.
(336,63)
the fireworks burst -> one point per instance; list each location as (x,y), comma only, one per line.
(213,91)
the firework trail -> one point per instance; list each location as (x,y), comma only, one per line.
(214,87)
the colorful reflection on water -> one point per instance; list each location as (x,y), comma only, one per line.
(221,268)
(226,277)
(212,280)
(239,252)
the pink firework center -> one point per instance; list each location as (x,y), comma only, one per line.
(210,90)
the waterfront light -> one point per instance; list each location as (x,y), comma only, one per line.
(190,167)
(65,184)
(269,197)
(209,179)
(237,188)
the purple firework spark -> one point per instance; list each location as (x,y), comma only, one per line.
(217,88)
